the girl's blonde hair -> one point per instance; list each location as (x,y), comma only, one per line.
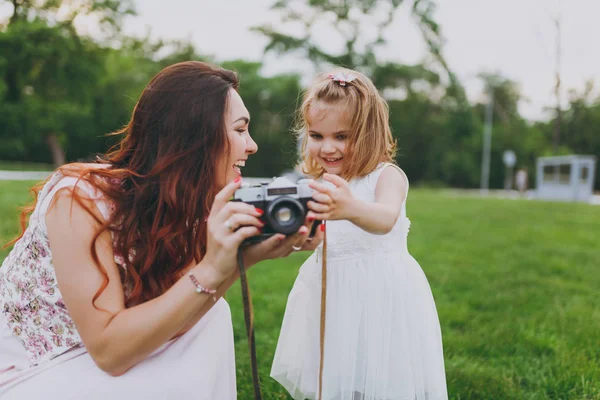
(370,140)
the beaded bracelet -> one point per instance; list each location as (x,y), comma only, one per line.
(200,288)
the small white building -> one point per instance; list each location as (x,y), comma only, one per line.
(566,178)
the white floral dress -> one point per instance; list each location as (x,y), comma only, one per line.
(43,357)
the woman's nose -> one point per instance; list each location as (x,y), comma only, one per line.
(251,146)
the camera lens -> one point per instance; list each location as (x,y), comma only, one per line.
(286,215)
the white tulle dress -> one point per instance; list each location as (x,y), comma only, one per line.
(383,338)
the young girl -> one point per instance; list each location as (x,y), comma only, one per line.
(382,334)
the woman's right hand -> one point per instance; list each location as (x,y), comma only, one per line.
(279,245)
(228,225)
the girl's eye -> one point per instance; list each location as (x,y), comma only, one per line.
(341,137)
(316,137)
(241,130)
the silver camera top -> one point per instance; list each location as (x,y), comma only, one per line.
(278,187)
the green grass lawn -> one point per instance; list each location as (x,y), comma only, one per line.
(23,166)
(516,283)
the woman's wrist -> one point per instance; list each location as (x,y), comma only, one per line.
(208,276)
(248,260)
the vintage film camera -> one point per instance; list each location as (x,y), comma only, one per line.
(284,204)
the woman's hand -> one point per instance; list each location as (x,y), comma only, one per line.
(332,203)
(279,245)
(228,225)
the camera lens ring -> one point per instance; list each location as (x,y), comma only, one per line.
(294,205)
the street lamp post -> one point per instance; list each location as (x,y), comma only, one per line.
(487,140)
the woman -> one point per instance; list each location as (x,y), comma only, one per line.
(114,289)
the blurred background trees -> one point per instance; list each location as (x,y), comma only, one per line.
(62,91)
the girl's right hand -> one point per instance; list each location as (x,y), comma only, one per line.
(333,199)
(228,225)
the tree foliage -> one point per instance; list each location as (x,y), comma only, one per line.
(62,92)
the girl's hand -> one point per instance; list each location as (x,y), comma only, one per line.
(332,203)
(228,224)
(279,245)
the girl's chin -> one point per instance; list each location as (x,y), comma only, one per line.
(332,169)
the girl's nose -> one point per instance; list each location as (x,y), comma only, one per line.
(328,148)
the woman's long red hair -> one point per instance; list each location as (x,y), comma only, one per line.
(160,180)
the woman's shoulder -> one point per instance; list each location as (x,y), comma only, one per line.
(80,169)
(73,177)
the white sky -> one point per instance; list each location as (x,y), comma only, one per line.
(516,38)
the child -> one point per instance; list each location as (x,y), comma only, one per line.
(382,334)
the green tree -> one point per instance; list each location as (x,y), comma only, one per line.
(49,69)
(52,84)
(429,113)
(345,17)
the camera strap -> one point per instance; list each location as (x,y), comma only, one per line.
(249,317)
(323,310)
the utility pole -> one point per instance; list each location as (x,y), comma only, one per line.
(487,139)
(558,120)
